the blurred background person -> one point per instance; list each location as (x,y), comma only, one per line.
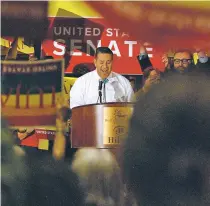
(31,180)
(13,168)
(62,143)
(52,183)
(132,81)
(182,62)
(166,153)
(203,63)
(151,76)
(144,59)
(100,174)
(81,69)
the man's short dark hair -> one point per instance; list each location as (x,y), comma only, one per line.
(81,69)
(103,50)
(166,154)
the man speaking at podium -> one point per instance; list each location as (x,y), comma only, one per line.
(101,85)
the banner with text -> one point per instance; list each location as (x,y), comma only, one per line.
(75,39)
(29,91)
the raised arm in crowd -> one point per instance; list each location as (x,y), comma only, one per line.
(182,63)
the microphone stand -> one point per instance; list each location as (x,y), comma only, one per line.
(100,96)
(99,91)
(104,92)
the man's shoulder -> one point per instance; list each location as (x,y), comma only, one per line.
(120,76)
(124,81)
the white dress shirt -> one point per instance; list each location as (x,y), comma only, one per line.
(85,90)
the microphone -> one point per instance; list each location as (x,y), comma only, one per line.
(100,85)
(99,90)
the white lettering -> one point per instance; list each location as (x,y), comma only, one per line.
(125,34)
(117,34)
(99,43)
(77,44)
(73,46)
(116,49)
(149,49)
(80,30)
(109,32)
(130,47)
(95,30)
(88,32)
(55,32)
(89,46)
(59,46)
(67,30)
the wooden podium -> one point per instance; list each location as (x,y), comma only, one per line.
(100,125)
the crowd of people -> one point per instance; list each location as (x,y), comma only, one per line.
(182,63)
(164,160)
(165,157)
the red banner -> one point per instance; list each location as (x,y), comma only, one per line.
(39,139)
(124,28)
(167,25)
(67,34)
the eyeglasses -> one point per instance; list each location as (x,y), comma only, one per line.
(184,61)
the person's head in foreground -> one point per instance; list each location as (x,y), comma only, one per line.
(103,61)
(13,168)
(183,61)
(167,151)
(52,183)
(99,173)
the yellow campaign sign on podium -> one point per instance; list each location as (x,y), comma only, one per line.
(116,121)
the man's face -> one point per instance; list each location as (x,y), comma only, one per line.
(182,61)
(103,63)
(201,54)
(203,58)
